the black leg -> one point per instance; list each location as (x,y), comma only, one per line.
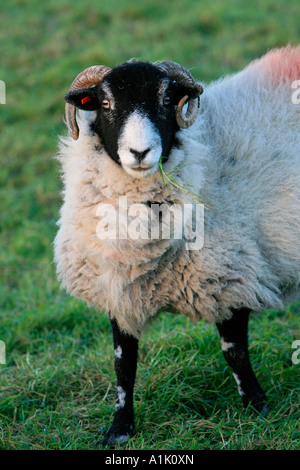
(125,361)
(234,341)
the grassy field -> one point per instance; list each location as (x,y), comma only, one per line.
(58,385)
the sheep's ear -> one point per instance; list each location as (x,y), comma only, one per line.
(83,98)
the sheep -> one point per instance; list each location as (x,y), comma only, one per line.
(239,151)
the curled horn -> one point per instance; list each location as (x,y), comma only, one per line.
(88,77)
(179,73)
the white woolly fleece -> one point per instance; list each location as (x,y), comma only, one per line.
(243,159)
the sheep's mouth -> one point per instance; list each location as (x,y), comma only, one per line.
(141,168)
(140,171)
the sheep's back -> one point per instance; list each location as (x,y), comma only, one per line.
(253,129)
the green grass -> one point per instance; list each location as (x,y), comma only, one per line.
(57,386)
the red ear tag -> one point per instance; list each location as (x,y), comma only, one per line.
(86,99)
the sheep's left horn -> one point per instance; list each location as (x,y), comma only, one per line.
(186,120)
(179,73)
(88,77)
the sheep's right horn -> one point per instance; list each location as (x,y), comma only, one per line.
(179,73)
(88,77)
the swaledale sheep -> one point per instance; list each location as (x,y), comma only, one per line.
(241,155)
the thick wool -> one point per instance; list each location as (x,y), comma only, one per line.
(242,157)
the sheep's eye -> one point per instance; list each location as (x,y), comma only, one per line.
(167,101)
(105,104)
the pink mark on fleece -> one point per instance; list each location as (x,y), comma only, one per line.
(283,64)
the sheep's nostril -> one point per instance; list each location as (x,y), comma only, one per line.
(140,155)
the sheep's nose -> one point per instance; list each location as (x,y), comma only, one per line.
(139,155)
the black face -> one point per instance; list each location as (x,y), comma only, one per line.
(134,96)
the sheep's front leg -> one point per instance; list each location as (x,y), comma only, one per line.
(234,342)
(125,361)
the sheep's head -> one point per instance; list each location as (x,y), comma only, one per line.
(139,110)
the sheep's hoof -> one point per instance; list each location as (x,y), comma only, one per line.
(262,409)
(117,435)
(258,407)
(265,411)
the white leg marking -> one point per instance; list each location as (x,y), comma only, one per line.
(225,346)
(118,352)
(238,381)
(120,398)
